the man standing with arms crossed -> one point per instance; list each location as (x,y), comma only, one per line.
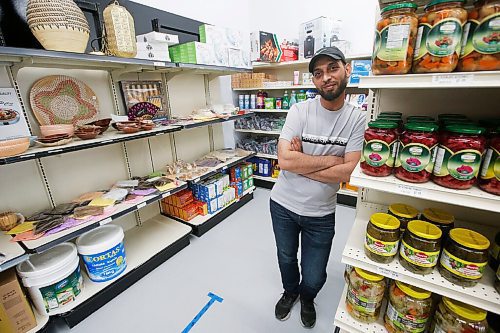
(319,147)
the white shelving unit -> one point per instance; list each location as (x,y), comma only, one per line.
(348,192)
(267,179)
(274,157)
(301,62)
(12,253)
(290,87)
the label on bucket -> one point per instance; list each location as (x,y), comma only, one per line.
(106,265)
(62,292)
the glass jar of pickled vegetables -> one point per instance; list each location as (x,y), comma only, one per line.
(481,38)
(459,155)
(418,145)
(420,247)
(382,237)
(418,119)
(404,213)
(489,179)
(408,309)
(395,39)
(455,316)
(439,37)
(440,218)
(379,148)
(365,293)
(464,257)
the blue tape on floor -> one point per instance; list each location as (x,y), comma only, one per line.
(213,299)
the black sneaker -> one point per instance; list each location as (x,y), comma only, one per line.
(284,305)
(307,313)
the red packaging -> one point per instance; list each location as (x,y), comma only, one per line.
(490,172)
(379,148)
(290,51)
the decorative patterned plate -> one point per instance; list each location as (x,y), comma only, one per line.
(59,99)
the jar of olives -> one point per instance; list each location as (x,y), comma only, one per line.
(440,218)
(404,213)
(382,238)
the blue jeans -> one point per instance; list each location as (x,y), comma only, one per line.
(316,237)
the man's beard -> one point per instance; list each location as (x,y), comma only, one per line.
(332,95)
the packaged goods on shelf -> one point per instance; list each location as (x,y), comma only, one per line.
(382,238)
(404,213)
(489,180)
(154,37)
(12,115)
(361,66)
(307,79)
(380,145)
(342,45)
(153,51)
(455,316)
(318,33)
(261,166)
(198,53)
(290,49)
(247,80)
(264,46)
(275,169)
(355,78)
(358,100)
(263,145)
(440,218)
(262,123)
(239,58)
(364,295)
(16,315)
(221,37)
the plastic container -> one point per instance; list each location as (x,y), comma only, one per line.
(455,316)
(379,148)
(420,247)
(489,179)
(103,252)
(480,40)
(440,218)
(464,257)
(365,293)
(404,213)
(395,37)
(53,278)
(382,237)
(408,310)
(439,37)
(418,145)
(458,159)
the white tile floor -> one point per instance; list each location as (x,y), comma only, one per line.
(237,261)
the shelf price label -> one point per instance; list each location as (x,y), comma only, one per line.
(106,221)
(139,206)
(387,272)
(410,190)
(453,78)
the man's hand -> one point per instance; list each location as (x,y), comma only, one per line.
(296,144)
(337,173)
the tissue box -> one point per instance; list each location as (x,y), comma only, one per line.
(264,47)
(239,58)
(361,66)
(193,53)
(158,37)
(355,77)
(220,37)
(153,55)
(316,34)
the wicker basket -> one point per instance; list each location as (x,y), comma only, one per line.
(120,31)
(59,25)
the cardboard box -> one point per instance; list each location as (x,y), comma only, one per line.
(355,77)
(316,34)
(158,37)
(361,66)
(16,315)
(153,55)
(264,47)
(193,53)
(220,36)
(290,50)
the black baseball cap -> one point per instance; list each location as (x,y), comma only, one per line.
(331,51)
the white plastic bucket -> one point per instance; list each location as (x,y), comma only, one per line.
(53,278)
(103,252)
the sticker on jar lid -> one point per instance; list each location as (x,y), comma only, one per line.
(417,257)
(381,248)
(464,269)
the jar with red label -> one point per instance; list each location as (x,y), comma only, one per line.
(379,148)
(489,179)
(439,36)
(417,150)
(458,158)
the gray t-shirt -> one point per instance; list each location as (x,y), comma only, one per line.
(323,132)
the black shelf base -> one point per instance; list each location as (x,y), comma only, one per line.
(346,200)
(263,184)
(199,230)
(81,312)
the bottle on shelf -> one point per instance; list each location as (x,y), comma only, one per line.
(253,101)
(301,96)
(285,103)
(293,100)
(261,95)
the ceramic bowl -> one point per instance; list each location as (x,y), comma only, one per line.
(14,147)
(47,130)
(123,123)
(87,135)
(88,129)
(103,124)
(129,129)
(147,127)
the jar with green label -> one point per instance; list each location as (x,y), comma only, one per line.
(379,148)
(489,179)
(438,44)
(455,316)
(464,257)
(458,158)
(382,237)
(404,213)
(395,39)
(417,151)
(408,310)
(420,247)
(440,218)
(481,39)
(365,292)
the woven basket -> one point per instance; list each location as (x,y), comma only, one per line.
(120,31)
(59,25)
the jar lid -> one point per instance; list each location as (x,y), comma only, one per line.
(382,124)
(385,221)
(424,229)
(52,260)
(438,216)
(422,127)
(465,129)
(438,2)
(451,115)
(391,113)
(399,6)
(403,210)
(470,239)
(368,275)
(413,291)
(419,117)
(465,310)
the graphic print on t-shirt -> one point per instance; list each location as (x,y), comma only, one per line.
(324,140)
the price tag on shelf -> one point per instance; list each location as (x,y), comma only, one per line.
(164,195)
(27,156)
(106,221)
(196,180)
(387,272)
(453,78)
(410,190)
(54,151)
(139,206)
(224,168)
(106,141)
(159,63)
